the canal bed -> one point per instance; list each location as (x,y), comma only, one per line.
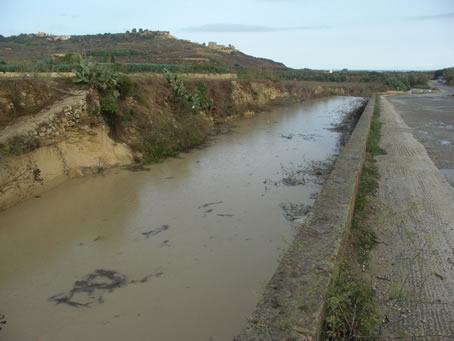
(179,251)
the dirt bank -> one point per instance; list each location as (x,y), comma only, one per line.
(56,131)
(40,151)
(411,267)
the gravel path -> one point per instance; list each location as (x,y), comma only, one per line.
(412,266)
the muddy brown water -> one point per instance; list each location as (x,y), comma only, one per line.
(179,252)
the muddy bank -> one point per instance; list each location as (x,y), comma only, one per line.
(69,138)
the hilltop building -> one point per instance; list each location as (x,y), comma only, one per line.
(147,32)
(51,37)
(213,45)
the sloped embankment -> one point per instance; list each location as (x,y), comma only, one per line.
(71,138)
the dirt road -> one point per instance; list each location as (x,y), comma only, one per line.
(412,266)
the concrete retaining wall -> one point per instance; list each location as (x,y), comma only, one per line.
(294,300)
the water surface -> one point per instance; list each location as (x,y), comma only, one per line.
(193,239)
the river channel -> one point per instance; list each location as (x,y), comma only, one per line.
(178,251)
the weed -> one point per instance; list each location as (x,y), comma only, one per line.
(374,135)
(397,292)
(367,187)
(350,309)
(259,299)
(197,99)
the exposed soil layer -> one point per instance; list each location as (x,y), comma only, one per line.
(23,97)
(411,267)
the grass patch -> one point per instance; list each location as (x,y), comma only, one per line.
(367,187)
(351,311)
(364,239)
(374,135)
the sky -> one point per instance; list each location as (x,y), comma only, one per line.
(316,34)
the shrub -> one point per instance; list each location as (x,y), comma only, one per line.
(71,58)
(197,98)
(111,86)
(124,86)
(98,76)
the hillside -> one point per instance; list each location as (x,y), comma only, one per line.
(145,47)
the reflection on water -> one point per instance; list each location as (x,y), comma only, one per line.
(175,253)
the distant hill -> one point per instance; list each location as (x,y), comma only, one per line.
(155,47)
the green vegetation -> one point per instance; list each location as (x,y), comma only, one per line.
(374,134)
(115,52)
(71,58)
(48,65)
(197,98)
(351,311)
(175,68)
(111,85)
(98,76)
(393,80)
(363,238)
(175,132)
(169,138)
(446,74)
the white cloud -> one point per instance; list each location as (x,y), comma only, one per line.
(250,28)
(433,17)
